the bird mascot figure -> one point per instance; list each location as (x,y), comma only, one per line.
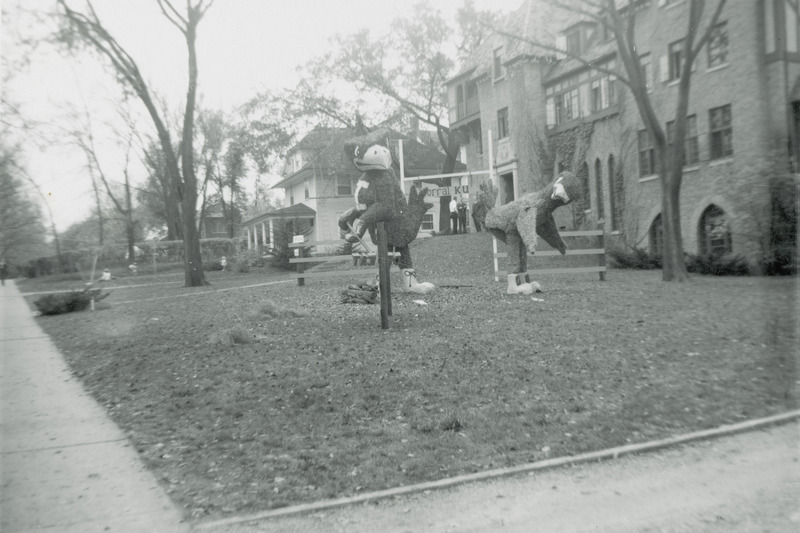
(379,198)
(519,222)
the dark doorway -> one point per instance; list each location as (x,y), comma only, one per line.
(506,188)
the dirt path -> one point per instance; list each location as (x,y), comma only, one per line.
(743,483)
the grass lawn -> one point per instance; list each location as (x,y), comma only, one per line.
(247,399)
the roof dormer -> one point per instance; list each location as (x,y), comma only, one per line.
(575,38)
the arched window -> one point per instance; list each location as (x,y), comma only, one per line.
(598,183)
(582,204)
(614,190)
(714,232)
(657,237)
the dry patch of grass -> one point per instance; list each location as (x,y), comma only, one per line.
(323,403)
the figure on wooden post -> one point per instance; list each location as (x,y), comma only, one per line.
(379,198)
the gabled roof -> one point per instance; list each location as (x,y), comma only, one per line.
(418,159)
(537,20)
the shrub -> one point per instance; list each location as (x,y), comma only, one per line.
(717,265)
(244,267)
(210,266)
(281,251)
(56,304)
(633,257)
(781,255)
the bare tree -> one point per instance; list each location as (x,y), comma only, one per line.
(85,140)
(620,22)
(21,230)
(87,29)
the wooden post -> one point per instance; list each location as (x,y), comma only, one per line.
(384,283)
(298,253)
(601,243)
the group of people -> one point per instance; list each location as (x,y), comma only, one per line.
(458,215)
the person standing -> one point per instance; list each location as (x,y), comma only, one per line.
(462,214)
(454,215)
(3,272)
(478,214)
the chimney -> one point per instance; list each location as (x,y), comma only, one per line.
(415,128)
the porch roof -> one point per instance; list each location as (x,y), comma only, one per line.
(293,211)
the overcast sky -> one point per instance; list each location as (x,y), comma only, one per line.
(244,47)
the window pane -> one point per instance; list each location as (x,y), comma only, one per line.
(675,60)
(718,46)
(721,131)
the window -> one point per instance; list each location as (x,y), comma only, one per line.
(769,23)
(598,178)
(344,187)
(502,123)
(567,106)
(647,70)
(574,42)
(691,154)
(615,194)
(718,46)
(656,235)
(611,90)
(721,132)
(427,222)
(675,60)
(781,27)
(580,95)
(305,192)
(603,93)
(497,64)
(291,197)
(647,155)
(792,23)
(217,226)
(715,235)
(475,133)
(597,96)
(582,205)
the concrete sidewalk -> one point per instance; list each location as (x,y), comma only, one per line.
(64,465)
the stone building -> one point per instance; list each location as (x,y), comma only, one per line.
(547,112)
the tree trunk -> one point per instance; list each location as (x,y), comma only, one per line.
(451,146)
(673,261)
(99,210)
(193,274)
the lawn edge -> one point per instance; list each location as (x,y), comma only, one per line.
(610,453)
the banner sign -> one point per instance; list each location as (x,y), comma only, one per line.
(455,190)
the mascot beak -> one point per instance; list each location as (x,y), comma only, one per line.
(559,191)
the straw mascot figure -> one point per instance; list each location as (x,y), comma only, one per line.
(379,198)
(518,223)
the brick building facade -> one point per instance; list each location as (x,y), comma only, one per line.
(547,113)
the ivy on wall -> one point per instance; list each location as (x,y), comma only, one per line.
(567,149)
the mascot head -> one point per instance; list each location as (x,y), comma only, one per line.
(565,188)
(370,152)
